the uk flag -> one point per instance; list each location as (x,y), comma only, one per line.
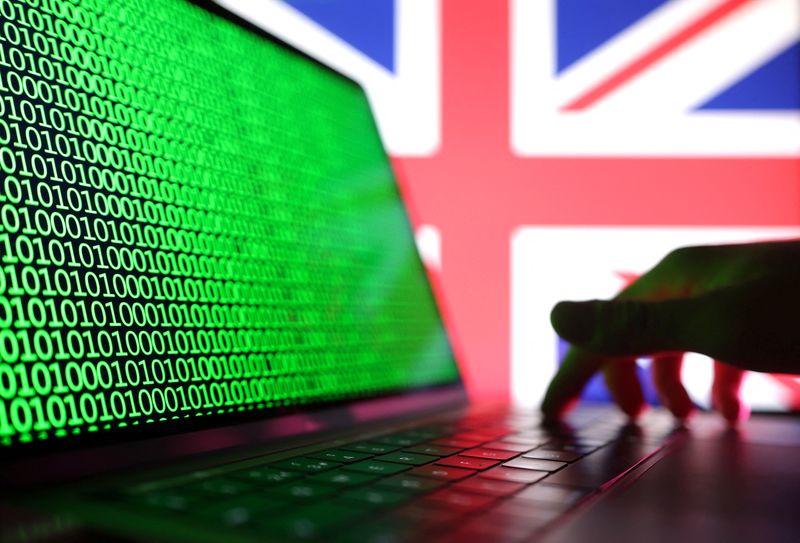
(656,77)
(551,148)
(649,78)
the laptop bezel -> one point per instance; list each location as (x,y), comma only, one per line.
(258,438)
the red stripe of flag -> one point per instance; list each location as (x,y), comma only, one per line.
(654,55)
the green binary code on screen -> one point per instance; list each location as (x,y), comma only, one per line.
(193,221)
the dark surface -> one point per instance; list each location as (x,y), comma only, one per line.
(715,485)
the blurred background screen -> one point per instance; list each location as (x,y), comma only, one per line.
(553,149)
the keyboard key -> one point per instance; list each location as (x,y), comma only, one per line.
(457,443)
(431,432)
(401,440)
(220,486)
(514,474)
(427,434)
(309,522)
(603,435)
(425,517)
(492,454)
(435,450)
(498,429)
(370,447)
(342,477)
(377,467)
(538,433)
(566,444)
(232,516)
(306,465)
(576,447)
(559,456)
(467,462)
(337,455)
(562,495)
(409,483)
(460,501)
(479,485)
(241,512)
(525,440)
(266,474)
(442,472)
(521,424)
(506,446)
(480,435)
(304,490)
(376,496)
(172,499)
(530,463)
(412,459)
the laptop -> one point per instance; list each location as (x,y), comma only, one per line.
(214,325)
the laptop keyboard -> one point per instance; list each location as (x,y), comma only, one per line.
(490,476)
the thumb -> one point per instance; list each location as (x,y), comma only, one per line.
(625,327)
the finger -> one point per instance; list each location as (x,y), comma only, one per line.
(564,390)
(623,383)
(707,323)
(623,327)
(725,392)
(749,325)
(667,380)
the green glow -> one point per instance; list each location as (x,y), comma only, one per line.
(193,222)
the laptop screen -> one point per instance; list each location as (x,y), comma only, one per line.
(197,225)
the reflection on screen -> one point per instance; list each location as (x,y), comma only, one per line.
(193,221)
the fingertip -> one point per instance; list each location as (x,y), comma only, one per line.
(667,380)
(726,393)
(628,397)
(555,409)
(738,418)
(679,403)
(623,383)
(633,410)
(684,412)
(732,409)
(565,389)
(574,321)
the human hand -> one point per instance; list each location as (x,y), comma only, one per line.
(739,304)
